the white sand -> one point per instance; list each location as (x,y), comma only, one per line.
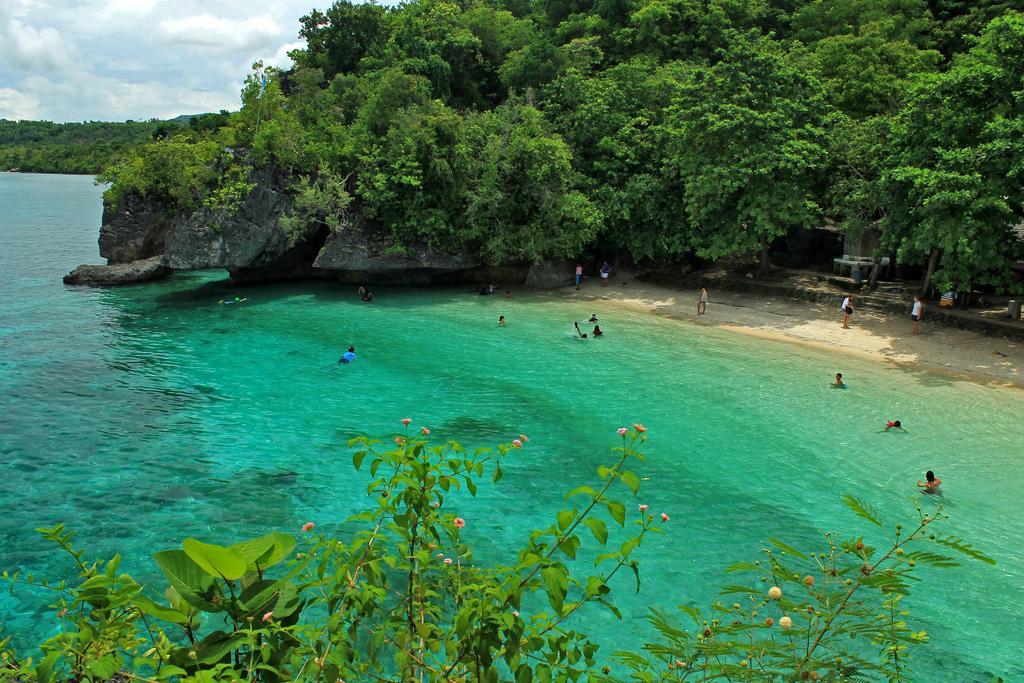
(872,334)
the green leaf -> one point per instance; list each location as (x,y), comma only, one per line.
(862,509)
(565,518)
(187,578)
(570,545)
(959,545)
(581,490)
(153,609)
(357,458)
(631,480)
(598,528)
(498,474)
(556,583)
(788,548)
(618,511)
(215,560)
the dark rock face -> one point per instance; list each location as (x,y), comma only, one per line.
(134,231)
(550,274)
(354,256)
(118,274)
(250,237)
(256,243)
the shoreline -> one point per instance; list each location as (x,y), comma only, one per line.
(873,335)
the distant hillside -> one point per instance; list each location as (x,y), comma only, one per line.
(86,148)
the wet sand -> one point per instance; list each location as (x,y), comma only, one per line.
(873,334)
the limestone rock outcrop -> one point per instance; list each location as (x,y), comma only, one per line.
(118,274)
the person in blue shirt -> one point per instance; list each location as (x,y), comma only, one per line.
(348,356)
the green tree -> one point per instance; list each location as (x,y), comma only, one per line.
(747,140)
(958,163)
(521,205)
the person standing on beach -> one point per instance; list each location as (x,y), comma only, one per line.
(702,301)
(579,275)
(606,270)
(847,309)
(915,314)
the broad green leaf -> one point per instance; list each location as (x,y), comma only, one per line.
(187,578)
(618,511)
(556,583)
(631,480)
(160,611)
(565,518)
(215,560)
(598,528)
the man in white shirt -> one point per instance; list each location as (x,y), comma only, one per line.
(916,314)
(847,309)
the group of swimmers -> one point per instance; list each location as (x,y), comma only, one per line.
(931,483)
(365,294)
(596,332)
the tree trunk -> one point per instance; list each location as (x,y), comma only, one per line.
(932,263)
(873,280)
(765,262)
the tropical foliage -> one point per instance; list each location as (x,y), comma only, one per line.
(647,129)
(44,147)
(397,594)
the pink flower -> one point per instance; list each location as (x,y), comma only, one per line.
(447,560)
(440,556)
(522,437)
(459,522)
(516,614)
(645,507)
(622,431)
(399,440)
(664,517)
(639,427)
(424,431)
(267,617)
(436,503)
(308,526)
(517,443)
(406,421)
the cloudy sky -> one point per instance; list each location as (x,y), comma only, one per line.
(111,60)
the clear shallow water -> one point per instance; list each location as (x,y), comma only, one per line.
(145,414)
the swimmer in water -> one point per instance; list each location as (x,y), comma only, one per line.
(597,331)
(894,424)
(508,294)
(931,483)
(839,381)
(580,332)
(348,356)
(593,318)
(501,321)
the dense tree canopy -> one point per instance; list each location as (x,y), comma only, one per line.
(640,129)
(45,147)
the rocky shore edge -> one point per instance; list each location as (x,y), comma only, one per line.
(142,241)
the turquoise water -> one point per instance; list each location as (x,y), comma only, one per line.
(145,414)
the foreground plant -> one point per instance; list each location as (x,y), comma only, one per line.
(831,615)
(402,598)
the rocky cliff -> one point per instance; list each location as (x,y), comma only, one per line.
(142,240)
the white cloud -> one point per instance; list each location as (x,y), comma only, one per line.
(75,60)
(28,48)
(220,34)
(18,105)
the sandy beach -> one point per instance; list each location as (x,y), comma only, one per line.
(873,334)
